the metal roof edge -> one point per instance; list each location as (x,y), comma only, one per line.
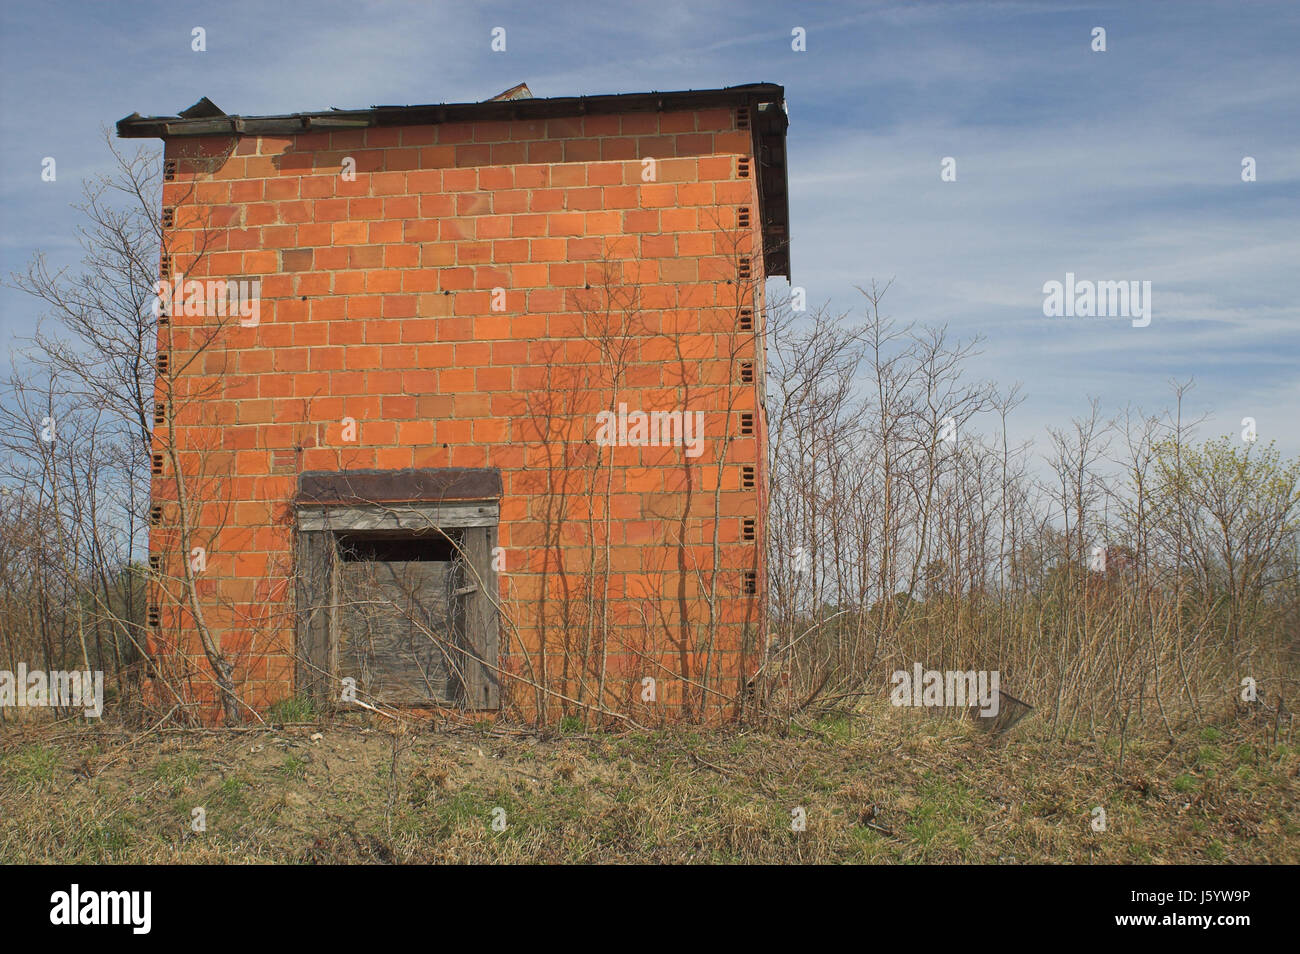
(768,127)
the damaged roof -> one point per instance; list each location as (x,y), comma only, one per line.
(766,103)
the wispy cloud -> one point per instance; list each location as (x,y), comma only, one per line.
(1115,165)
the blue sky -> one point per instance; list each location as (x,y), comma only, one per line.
(1122,165)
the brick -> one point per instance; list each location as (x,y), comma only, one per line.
(531,177)
(455,132)
(378,305)
(473,156)
(348,233)
(606,173)
(473,204)
(529,225)
(545,152)
(583,199)
(437,157)
(296,259)
(508,153)
(566,223)
(546,200)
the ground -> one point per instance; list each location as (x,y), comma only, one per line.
(883,787)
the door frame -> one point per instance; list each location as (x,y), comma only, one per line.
(319,524)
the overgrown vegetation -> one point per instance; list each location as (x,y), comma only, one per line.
(891,787)
(1129,579)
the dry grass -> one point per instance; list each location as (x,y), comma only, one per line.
(888,787)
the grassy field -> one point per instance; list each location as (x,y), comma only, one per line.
(887,787)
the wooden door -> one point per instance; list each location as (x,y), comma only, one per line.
(401,624)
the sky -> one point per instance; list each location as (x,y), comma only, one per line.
(1115,165)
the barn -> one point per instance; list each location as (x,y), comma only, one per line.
(460,406)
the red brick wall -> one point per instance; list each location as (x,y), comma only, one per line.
(376,305)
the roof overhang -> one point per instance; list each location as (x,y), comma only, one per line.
(766,103)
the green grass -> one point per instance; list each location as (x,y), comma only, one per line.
(463,807)
(31,766)
(108,839)
(938,793)
(945,817)
(178,771)
(571,724)
(834,728)
(293,766)
(292,709)
(230,797)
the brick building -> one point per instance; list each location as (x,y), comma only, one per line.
(464,402)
